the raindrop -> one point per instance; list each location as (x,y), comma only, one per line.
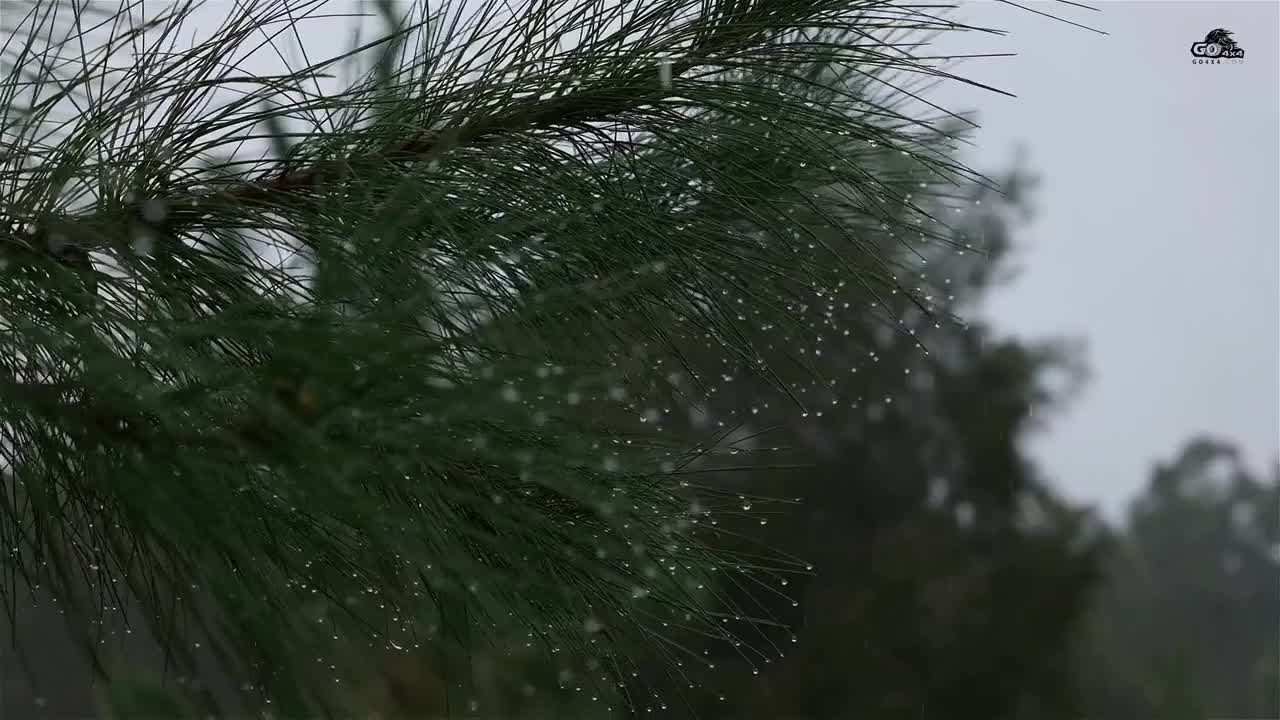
(144,243)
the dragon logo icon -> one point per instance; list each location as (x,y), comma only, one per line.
(1217,44)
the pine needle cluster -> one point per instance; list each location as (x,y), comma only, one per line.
(398,379)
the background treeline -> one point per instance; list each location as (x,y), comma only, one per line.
(951,580)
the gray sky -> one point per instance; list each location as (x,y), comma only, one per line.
(1157,236)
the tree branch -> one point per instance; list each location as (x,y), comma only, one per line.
(77,236)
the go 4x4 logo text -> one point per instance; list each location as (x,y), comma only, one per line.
(1217,46)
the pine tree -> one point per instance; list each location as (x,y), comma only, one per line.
(396,385)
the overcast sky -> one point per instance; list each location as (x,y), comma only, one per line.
(1158,234)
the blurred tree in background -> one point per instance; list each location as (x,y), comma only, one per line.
(947,580)
(1188,623)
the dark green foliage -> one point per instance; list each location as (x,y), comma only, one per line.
(1188,622)
(394,387)
(946,580)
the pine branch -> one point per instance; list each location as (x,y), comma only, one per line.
(730,34)
(418,365)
